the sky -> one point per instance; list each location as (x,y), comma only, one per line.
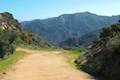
(25,10)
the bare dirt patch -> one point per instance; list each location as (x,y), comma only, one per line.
(44,65)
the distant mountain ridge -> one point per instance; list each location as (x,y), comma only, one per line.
(58,29)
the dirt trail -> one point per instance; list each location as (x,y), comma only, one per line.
(44,65)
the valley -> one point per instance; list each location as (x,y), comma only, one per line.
(78,46)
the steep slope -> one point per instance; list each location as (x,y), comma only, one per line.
(70,43)
(84,40)
(11,35)
(9,29)
(7,22)
(60,28)
(103,59)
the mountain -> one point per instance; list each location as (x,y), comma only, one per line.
(70,43)
(84,40)
(103,58)
(58,29)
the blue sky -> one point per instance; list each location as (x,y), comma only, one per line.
(41,9)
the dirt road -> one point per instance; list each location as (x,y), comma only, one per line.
(44,65)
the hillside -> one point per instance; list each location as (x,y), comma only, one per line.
(82,41)
(7,22)
(66,26)
(12,35)
(103,58)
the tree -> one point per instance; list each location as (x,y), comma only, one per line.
(106,32)
(119,21)
(116,28)
(8,39)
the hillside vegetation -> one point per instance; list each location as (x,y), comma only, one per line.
(12,35)
(103,59)
(75,42)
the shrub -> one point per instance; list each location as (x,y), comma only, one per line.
(8,38)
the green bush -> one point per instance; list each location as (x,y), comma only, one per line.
(8,38)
